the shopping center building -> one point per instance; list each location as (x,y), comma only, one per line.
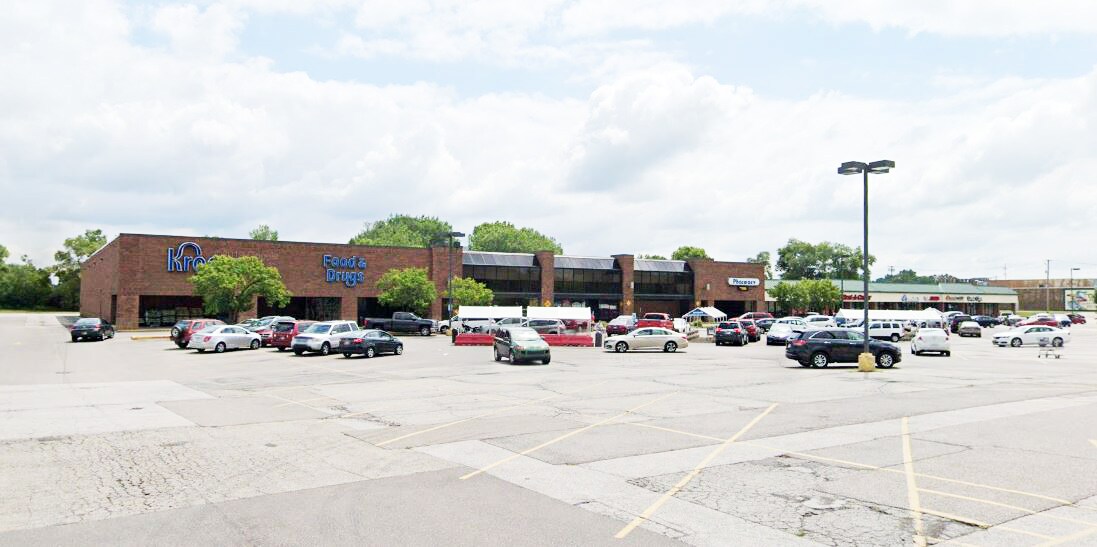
(966,297)
(140,280)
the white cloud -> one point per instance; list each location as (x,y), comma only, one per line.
(100,132)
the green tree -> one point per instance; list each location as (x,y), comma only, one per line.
(651,257)
(264,233)
(504,237)
(908,276)
(804,260)
(686,252)
(24,286)
(402,231)
(3,256)
(470,292)
(66,267)
(789,296)
(229,285)
(408,289)
(820,294)
(763,258)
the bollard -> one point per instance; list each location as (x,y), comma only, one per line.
(866,363)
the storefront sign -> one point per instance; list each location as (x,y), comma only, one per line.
(855,297)
(345,270)
(744,281)
(974,299)
(179,261)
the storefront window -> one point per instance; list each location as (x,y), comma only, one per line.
(576,281)
(679,283)
(506,279)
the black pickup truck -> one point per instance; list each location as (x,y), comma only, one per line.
(401,321)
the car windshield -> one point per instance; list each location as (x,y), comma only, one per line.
(728,325)
(86,322)
(283,327)
(524,336)
(318,329)
(780,327)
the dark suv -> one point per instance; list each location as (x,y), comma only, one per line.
(819,348)
(954,323)
(731,332)
(985,321)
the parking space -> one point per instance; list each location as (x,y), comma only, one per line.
(707,446)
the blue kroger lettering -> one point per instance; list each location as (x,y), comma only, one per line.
(336,270)
(178,261)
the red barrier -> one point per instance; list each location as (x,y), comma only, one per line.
(477,339)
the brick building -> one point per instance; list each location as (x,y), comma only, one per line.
(1053,294)
(140,280)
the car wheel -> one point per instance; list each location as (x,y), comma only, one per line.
(254,344)
(912,352)
(443,329)
(400,349)
(819,360)
(546,360)
(670,347)
(947,353)
(346,355)
(425,331)
(75,339)
(325,349)
(280,348)
(219,348)
(894,337)
(1058,343)
(175,333)
(1016,342)
(497,356)
(621,347)
(201,351)
(370,352)
(298,352)
(885,360)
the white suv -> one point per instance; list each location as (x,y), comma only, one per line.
(885,330)
(317,338)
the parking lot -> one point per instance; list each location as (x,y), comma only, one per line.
(135,441)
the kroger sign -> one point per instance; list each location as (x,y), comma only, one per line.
(180,261)
(346,270)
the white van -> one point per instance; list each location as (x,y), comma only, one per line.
(885,329)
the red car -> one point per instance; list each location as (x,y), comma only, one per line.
(661,320)
(753,332)
(282,333)
(1077,318)
(622,324)
(755,315)
(1045,321)
(185,331)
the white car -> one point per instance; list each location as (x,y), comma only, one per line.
(935,340)
(797,323)
(885,330)
(1032,335)
(647,338)
(222,337)
(819,321)
(778,334)
(681,325)
(466,324)
(318,337)
(504,323)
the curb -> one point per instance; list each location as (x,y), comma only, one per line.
(150,337)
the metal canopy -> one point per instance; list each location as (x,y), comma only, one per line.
(585,263)
(645,265)
(520,260)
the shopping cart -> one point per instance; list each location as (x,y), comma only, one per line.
(1047,350)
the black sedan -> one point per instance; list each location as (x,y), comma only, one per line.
(819,348)
(369,343)
(91,328)
(985,321)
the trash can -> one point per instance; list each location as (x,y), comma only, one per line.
(597,338)
(453,336)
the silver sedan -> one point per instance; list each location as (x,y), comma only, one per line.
(222,337)
(647,338)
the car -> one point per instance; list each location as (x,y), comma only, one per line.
(504,323)
(756,315)
(401,321)
(817,321)
(1064,320)
(622,324)
(778,334)
(764,323)
(284,331)
(1077,318)
(178,326)
(730,333)
(367,343)
(647,338)
(955,320)
(520,344)
(317,338)
(545,326)
(797,323)
(930,340)
(465,324)
(1032,335)
(1041,319)
(91,328)
(681,325)
(1013,320)
(985,320)
(885,330)
(264,326)
(224,337)
(195,325)
(754,334)
(970,328)
(819,347)
(661,320)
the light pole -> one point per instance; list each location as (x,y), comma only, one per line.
(1072,302)
(865,362)
(449,280)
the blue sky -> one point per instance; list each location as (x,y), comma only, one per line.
(596,113)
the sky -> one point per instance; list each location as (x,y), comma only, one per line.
(614,126)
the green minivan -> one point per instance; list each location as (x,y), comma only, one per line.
(521,344)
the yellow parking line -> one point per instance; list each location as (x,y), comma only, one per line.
(951,542)
(690,476)
(295,402)
(564,436)
(639,424)
(912,486)
(957,518)
(1007,506)
(486,414)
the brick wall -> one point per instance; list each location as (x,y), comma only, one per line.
(627,264)
(710,282)
(547,261)
(98,281)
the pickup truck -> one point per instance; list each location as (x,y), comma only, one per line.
(661,320)
(401,321)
